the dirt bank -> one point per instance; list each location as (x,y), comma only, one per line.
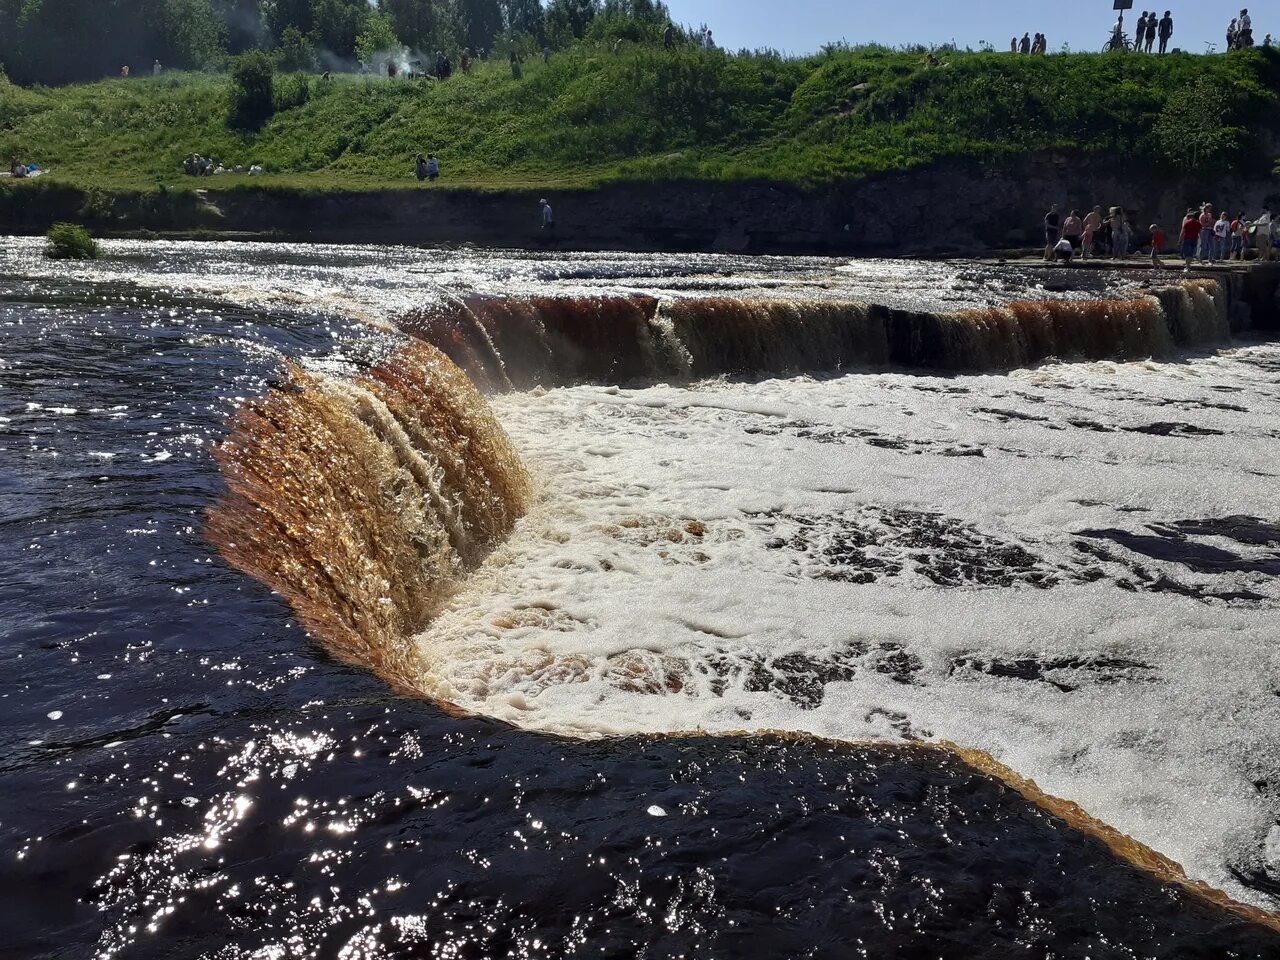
(946,209)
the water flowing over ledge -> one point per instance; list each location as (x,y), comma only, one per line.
(363,502)
(508,343)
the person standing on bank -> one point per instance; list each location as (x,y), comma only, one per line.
(1166,31)
(1222,236)
(1207,220)
(1264,235)
(1139,32)
(1157,244)
(548,217)
(1092,224)
(1190,237)
(1073,230)
(1052,230)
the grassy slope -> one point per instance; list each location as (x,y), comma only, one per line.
(590,116)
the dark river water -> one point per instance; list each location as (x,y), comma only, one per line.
(184,774)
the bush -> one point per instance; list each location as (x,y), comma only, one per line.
(253,99)
(70,242)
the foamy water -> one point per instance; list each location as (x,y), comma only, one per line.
(1074,567)
(1000,561)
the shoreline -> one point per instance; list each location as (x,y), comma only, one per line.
(958,208)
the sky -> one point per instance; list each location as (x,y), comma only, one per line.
(802,26)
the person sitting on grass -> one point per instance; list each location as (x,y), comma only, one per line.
(1157,244)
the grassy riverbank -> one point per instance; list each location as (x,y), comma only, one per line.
(592,117)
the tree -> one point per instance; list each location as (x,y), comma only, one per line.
(523,16)
(243,22)
(480,21)
(280,15)
(253,95)
(60,41)
(1192,131)
(569,19)
(337,25)
(378,37)
(190,34)
(296,52)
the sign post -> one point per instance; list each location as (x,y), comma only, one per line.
(1122,6)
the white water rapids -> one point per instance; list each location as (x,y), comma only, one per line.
(1048,565)
(886,555)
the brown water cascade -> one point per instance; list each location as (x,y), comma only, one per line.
(361,502)
(518,343)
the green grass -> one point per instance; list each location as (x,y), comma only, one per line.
(70,242)
(591,117)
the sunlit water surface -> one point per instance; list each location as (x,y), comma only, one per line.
(1074,568)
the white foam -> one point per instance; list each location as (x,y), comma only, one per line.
(661,567)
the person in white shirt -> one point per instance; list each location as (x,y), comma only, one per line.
(1221,235)
(1244,30)
(1262,235)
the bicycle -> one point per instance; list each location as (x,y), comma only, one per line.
(1119,41)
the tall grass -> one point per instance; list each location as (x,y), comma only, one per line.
(645,114)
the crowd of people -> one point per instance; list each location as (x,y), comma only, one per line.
(1240,32)
(427,168)
(1151,28)
(20,171)
(1211,239)
(1203,237)
(197,166)
(1028,45)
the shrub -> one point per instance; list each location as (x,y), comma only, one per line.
(70,242)
(253,99)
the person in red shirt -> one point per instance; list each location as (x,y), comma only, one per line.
(1206,232)
(1157,244)
(1190,236)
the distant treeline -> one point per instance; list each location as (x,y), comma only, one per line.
(65,41)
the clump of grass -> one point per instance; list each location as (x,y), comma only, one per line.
(70,242)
